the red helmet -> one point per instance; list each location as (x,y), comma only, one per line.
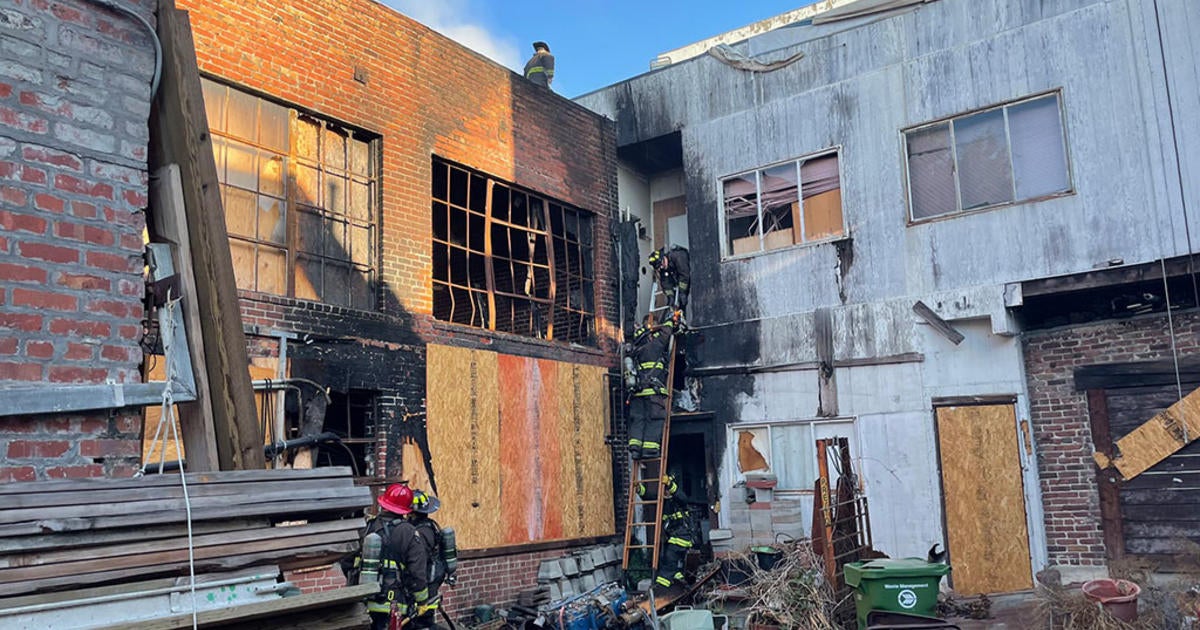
(397,498)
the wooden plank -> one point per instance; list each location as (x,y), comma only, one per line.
(206,540)
(167,221)
(1164,434)
(937,323)
(176,557)
(129,495)
(986,533)
(283,605)
(339,617)
(193,479)
(287,559)
(71,540)
(1106,481)
(299,493)
(75,595)
(180,136)
(292,508)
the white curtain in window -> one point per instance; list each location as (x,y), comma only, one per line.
(792,452)
(1035,128)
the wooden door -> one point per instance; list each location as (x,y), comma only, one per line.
(983,498)
(664,211)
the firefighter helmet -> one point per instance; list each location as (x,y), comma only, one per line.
(398,498)
(655,257)
(424,503)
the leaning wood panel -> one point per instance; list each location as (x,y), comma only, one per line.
(984,499)
(1154,441)
(180,136)
(462,399)
(520,479)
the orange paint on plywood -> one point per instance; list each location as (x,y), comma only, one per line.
(550,451)
(516,432)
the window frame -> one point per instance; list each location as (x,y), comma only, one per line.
(559,250)
(1070,190)
(291,201)
(731,430)
(726,250)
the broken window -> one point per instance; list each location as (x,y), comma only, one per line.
(352,416)
(300,196)
(1001,155)
(785,449)
(509,260)
(793,203)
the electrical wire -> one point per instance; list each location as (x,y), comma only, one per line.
(158,51)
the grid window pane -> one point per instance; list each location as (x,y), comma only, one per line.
(531,281)
(931,172)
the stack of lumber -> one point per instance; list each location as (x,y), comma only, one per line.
(75,535)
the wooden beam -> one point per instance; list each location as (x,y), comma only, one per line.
(1156,440)
(942,326)
(83,487)
(1100,278)
(168,222)
(179,135)
(1106,481)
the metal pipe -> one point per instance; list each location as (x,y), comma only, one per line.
(133,595)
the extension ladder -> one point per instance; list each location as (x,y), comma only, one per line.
(657,466)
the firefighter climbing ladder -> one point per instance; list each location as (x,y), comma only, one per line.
(657,468)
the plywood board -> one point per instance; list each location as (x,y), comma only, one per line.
(984,499)
(1162,435)
(464,432)
(542,469)
(823,215)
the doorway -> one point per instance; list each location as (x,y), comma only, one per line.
(983,498)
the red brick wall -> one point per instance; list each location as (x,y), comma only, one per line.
(74,103)
(1060,419)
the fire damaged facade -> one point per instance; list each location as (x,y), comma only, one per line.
(424,233)
(420,245)
(956,233)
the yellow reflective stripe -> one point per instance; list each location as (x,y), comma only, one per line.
(635,442)
(379,607)
(647,445)
(534,69)
(650,391)
(662,581)
(421,595)
(651,365)
(679,542)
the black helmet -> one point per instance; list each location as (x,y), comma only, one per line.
(539,45)
(423,503)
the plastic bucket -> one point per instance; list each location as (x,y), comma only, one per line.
(766,557)
(1118,597)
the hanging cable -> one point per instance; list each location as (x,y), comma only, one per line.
(1174,349)
(158,52)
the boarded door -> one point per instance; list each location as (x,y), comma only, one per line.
(985,504)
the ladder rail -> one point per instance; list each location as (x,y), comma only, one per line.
(636,478)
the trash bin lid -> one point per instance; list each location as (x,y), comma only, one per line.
(888,568)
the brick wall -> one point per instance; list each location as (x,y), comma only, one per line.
(74,104)
(423,95)
(1060,419)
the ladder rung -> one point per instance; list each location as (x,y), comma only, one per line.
(642,524)
(641,502)
(639,546)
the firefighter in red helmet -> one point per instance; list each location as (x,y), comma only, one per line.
(403,563)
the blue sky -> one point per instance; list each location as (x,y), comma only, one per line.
(595,42)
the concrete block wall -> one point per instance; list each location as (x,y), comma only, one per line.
(74,108)
(1061,428)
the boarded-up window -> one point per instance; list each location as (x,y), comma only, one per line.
(510,260)
(1001,155)
(788,204)
(785,449)
(300,196)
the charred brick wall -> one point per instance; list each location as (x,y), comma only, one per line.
(74,106)
(1061,427)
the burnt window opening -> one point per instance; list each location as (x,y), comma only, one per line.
(301,198)
(352,416)
(510,260)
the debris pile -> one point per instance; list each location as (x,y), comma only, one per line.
(793,593)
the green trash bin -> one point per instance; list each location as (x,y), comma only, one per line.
(908,585)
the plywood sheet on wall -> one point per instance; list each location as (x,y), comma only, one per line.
(985,502)
(518,447)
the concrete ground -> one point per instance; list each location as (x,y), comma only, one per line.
(1015,611)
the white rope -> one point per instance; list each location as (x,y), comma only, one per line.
(167,419)
(1174,350)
